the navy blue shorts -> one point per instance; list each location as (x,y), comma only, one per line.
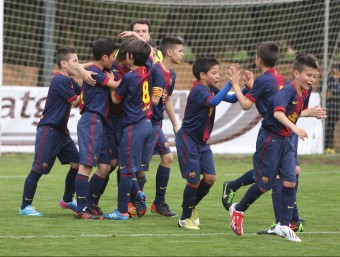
(134,154)
(93,146)
(114,132)
(275,155)
(159,142)
(49,144)
(194,158)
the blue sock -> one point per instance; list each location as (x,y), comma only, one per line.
(70,186)
(95,188)
(189,199)
(288,195)
(246,179)
(104,186)
(124,189)
(296,217)
(202,191)
(30,187)
(252,194)
(82,190)
(276,199)
(162,179)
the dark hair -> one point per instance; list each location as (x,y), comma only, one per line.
(303,60)
(140,50)
(63,54)
(103,46)
(203,64)
(121,55)
(169,43)
(268,51)
(147,22)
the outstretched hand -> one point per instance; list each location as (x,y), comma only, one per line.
(234,74)
(318,112)
(248,79)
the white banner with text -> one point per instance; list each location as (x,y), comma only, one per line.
(235,131)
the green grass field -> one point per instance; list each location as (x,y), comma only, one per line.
(57,233)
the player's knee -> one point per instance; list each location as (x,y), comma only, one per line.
(297,170)
(74,165)
(193,185)
(288,184)
(141,180)
(210,180)
(140,174)
(167,159)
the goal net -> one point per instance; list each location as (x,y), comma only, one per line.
(226,29)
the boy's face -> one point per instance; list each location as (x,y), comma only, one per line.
(108,60)
(306,78)
(142,30)
(176,54)
(212,77)
(70,65)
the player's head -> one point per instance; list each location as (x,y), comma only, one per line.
(267,53)
(305,70)
(103,50)
(142,28)
(206,70)
(67,60)
(121,55)
(138,51)
(172,47)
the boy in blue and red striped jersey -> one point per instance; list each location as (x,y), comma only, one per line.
(275,149)
(134,94)
(53,138)
(114,130)
(94,107)
(194,154)
(163,82)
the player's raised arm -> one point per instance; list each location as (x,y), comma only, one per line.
(234,77)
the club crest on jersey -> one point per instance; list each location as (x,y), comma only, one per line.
(264,180)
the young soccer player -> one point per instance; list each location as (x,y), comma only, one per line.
(114,130)
(275,153)
(194,154)
(163,82)
(94,107)
(134,94)
(53,138)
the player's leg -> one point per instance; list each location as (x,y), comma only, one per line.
(69,155)
(114,131)
(46,149)
(230,187)
(188,159)
(265,161)
(208,180)
(90,131)
(98,180)
(288,197)
(276,200)
(297,224)
(159,205)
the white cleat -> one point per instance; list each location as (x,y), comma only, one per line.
(287,232)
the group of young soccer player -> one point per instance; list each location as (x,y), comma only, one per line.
(122,102)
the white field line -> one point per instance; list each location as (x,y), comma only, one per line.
(150,235)
(9,177)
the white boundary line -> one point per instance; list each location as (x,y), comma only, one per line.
(7,177)
(151,235)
